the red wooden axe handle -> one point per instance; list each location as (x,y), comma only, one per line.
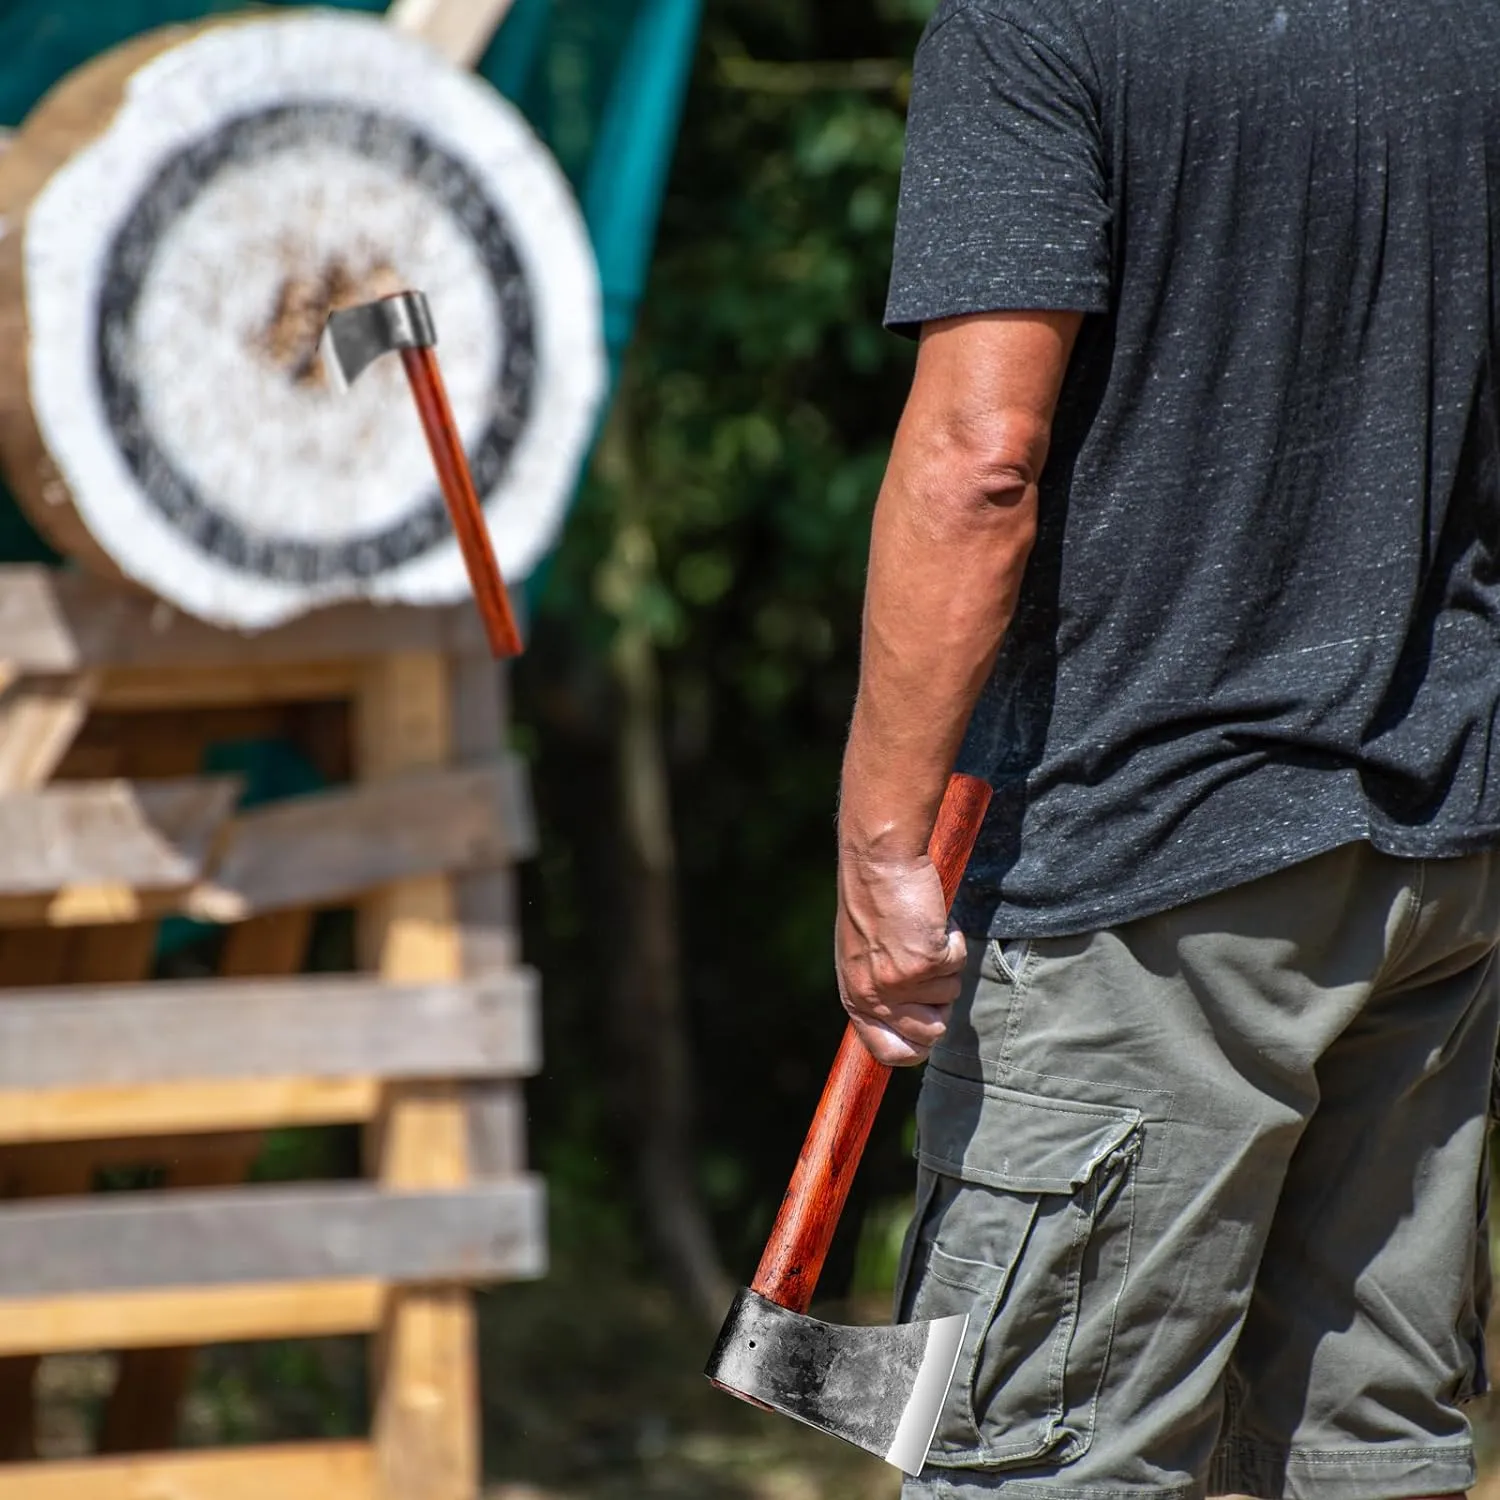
(794,1254)
(457,485)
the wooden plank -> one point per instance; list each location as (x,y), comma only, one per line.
(303,1232)
(89,906)
(485,897)
(39,718)
(85,1114)
(322,1026)
(150,1384)
(115,954)
(92,853)
(140,688)
(148,835)
(202,1315)
(485,902)
(426,1421)
(97,955)
(275,943)
(459,29)
(329,1471)
(332,845)
(35,957)
(55,620)
(496,1123)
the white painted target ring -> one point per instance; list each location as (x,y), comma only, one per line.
(175,274)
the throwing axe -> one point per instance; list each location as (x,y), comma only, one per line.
(355,337)
(880,1388)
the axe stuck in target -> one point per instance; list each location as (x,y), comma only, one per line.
(353,338)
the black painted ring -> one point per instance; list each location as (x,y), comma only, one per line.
(181,178)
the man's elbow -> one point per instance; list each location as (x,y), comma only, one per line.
(986,471)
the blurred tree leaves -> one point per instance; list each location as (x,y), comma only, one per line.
(759,399)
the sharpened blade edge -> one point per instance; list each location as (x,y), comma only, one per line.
(852,1382)
(328,348)
(908,1450)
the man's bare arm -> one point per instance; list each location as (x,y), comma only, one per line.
(953,529)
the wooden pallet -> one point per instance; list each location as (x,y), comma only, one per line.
(108,700)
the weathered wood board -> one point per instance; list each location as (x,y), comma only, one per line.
(317,1026)
(149,835)
(459,29)
(58,622)
(189,1315)
(217,1237)
(79,853)
(329,1471)
(91,1112)
(329,845)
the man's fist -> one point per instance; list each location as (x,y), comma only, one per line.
(898,965)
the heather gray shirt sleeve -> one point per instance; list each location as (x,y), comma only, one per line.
(1004,195)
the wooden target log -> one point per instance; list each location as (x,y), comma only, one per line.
(176,220)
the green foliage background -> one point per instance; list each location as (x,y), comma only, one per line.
(746,449)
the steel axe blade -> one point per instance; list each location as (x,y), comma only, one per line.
(354,337)
(881,1389)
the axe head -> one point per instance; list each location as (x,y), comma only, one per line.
(881,1389)
(354,337)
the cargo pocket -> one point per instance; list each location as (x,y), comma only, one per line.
(1025,1209)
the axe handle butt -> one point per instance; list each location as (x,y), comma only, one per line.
(793,1259)
(457,485)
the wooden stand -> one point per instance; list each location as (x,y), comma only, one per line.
(105,825)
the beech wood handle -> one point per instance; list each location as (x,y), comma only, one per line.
(789,1268)
(457,485)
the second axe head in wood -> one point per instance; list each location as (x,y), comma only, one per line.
(353,338)
(882,1389)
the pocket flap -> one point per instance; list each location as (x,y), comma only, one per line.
(983,1133)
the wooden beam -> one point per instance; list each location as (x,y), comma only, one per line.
(144,1407)
(426,1422)
(84,1114)
(199,1315)
(39,718)
(94,853)
(141,688)
(117,955)
(332,845)
(485,896)
(459,29)
(330,1471)
(325,1026)
(54,620)
(304,1232)
(148,835)
(485,903)
(275,943)
(37,957)
(89,906)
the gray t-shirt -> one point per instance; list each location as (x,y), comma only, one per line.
(1263,614)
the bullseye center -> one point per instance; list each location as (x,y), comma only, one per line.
(303,301)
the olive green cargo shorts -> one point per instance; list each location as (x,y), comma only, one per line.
(1210,1186)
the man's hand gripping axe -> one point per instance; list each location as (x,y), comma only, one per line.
(880,1388)
(353,338)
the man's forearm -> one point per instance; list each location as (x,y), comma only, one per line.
(945,569)
(952,532)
